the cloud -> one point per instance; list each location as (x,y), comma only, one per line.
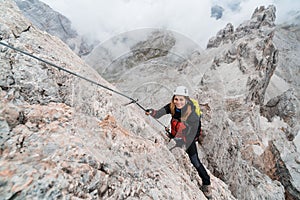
(102,19)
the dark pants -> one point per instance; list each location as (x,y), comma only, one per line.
(193,155)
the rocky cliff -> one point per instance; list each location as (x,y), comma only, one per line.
(65,138)
(247,83)
(253,135)
(62,137)
(54,23)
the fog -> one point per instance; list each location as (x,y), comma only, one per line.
(102,19)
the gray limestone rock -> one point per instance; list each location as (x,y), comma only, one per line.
(62,137)
(54,23)
(65,138)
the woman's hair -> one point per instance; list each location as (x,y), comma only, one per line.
(187,112)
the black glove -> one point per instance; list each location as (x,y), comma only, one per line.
(149,111)
(168,133)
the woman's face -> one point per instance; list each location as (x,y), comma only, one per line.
(179,101)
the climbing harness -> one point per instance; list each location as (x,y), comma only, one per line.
(84,78)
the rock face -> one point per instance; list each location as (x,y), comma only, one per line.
(249,125)
(283,106)
(62,137)
(146,68)
(157,45)
(127,51)
(242,140)
(46,19)
(260,19)
(65,138)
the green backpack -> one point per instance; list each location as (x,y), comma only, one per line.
(197,107)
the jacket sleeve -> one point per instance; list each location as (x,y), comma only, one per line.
(163,111)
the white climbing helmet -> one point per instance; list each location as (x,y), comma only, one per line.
(181,91)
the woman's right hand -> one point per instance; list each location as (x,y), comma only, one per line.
(149,111)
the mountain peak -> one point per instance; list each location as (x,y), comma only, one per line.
(262,21)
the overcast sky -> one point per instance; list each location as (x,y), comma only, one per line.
(103,19)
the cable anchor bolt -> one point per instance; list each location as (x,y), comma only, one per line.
(131,102)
